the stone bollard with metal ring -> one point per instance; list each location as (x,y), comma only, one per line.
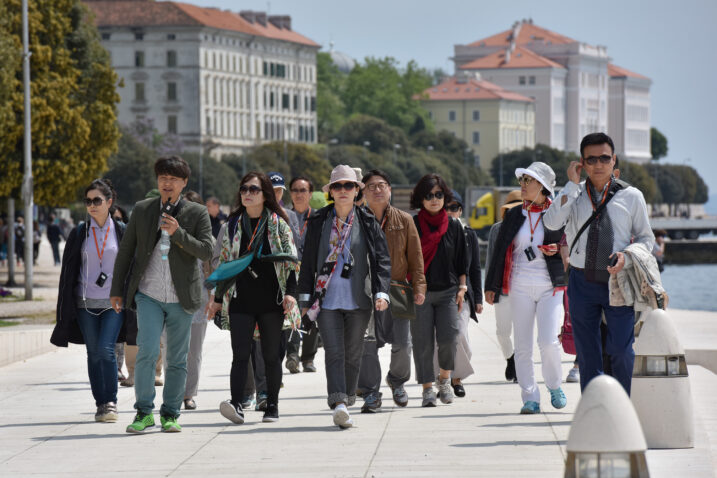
(660,384)
(605,438)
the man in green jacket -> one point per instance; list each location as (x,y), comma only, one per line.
(159,251)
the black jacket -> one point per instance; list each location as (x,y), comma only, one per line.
(379,260)
(67,329)
(512,223)
(474,294)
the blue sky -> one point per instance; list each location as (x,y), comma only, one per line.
(671,42)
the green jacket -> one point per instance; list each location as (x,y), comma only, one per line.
(191,241)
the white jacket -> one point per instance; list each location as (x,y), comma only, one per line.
(639,286)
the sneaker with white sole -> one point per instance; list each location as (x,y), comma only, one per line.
(429,397)
(342,417)
(557,398)
(231,412)
(400,397)
(573,375)
(445,391)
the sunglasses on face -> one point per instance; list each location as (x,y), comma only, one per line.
(380,186)
(603,158)
(453,207)
(526,180)
(345,186)
(438,195)
(252,190)
(300,191)
(94,201)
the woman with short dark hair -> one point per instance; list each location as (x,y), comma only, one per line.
(443,244)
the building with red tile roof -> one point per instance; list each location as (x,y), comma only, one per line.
(571,82)
(232,79)
(491,119)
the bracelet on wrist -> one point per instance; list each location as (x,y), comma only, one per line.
(463,286)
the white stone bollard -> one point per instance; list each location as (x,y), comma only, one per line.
(660,384)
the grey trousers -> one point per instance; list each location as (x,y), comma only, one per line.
(400,368)
(436,318)
(342,332)
(462,367)
(194,357)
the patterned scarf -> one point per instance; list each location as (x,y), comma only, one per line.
(600,237)
(336,246)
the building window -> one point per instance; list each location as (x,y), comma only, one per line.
(476,161)
(313,103)
(285,101)
(430,115)
(266,68)
(139,36)
(531,80)
(521,80)
(139,92)
(106,36)
(209,124)
(476,137)
(172,124)
(476,115)
(296,102)
(451,116)
(139,59)
(171,58)
(271,99)
(172,91)
(171,36)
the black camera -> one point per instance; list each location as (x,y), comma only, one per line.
(529,253)
(101,279)
(346,271)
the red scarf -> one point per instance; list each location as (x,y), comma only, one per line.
(430,238)
(532,207)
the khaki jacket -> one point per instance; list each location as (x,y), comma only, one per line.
(404,247)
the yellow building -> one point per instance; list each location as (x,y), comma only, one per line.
(490,119)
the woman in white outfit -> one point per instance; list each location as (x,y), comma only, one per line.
(526,264)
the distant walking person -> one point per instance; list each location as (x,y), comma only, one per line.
(602,216)
(165,237)
(55,235)
(527,266)
(216,216)
(84,313)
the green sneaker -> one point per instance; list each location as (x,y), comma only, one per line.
(169,424)
(141,422)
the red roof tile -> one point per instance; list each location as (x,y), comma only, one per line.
(618,72)
(528,33)
(472,89)
(129,13)
(519,58)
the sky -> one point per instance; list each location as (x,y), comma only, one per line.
(666,40)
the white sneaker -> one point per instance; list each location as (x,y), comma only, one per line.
(445,392)
(342,417)
(573,375)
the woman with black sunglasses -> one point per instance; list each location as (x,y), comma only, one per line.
(344,245)
(84,314)
(445,263)
(262,294)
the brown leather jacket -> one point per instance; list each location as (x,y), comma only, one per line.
(404,247)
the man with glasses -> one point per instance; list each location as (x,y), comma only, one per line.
(301,189)
(166,286)
(404,248)
(602,216)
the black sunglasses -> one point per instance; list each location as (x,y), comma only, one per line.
(345,186)
(603,158)
(438,195)
(453,207)
(94,202)
(253,190)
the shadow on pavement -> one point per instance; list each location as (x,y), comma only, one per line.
(84,437)
(270,429)
(43,424)
(509,443)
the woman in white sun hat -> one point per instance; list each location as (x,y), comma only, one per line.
(526,262)
(344,247)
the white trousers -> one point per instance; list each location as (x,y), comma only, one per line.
(504,326)
(528,300)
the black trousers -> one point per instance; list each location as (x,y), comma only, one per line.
(242,333)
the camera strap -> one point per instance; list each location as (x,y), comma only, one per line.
(609,194)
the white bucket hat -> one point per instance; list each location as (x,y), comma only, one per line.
(540,171)
(340,173)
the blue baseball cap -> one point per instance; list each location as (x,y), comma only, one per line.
(277,180)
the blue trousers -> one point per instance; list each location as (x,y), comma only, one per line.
(100,330)
(588,301)
(152,317)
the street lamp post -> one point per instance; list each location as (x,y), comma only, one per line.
(396,147)
(27,187)
(366,145)
(500,173)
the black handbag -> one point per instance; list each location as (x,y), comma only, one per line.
(402,305)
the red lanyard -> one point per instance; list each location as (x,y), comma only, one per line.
(303,228)
(101,253)
(604,196)
(530,221)
(248,248)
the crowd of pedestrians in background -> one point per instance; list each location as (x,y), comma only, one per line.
(353,275)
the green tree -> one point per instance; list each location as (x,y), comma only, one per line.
(73,100)
(555,158)
(639,176)
(330,109)
(381,136)
(658,144)
(131,168)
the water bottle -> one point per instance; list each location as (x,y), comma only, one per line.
(164,245)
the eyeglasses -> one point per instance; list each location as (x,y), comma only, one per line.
(379,186)
(252,190)
(300,191)
(430,196)
(94,201)
(603,158)
(453,207)
(345,186)
(525,179)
